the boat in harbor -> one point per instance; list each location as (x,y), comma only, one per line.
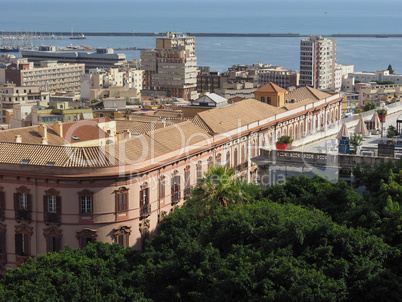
(9,49)
(79,37)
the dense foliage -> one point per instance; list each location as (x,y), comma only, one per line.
(306,240)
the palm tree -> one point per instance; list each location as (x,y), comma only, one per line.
(218,188)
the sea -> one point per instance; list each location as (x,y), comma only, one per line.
(308,17)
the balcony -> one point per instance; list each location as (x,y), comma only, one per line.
(145,211)
(3,258)
(52,218)
(23,215)
(176,196)
(187,191)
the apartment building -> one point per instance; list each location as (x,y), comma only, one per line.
(281,77)
(100,83)
(317,62)
(208,81)
(171,68)
(374,93)
(11,96)
(50,76)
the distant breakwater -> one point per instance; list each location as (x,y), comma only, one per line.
(157,34)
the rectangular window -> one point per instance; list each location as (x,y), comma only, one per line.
(162,187)
(199,171)
(176,196)
(23,201)
(22,244)
(51,204)
(2,242)
(53,244)
(122,239)
(86,204)
(84,241)
(144,197)
(122,202)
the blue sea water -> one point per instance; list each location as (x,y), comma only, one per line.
(233,16)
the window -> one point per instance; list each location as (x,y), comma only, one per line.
(263,99)
(52,206)
(219,160)
(86,204)
(22,204)
(228,160)
(53,239)
(145,207)
(86,236)
(199,172)
(23,201)
(187,188)
(122,235)
(162,187)
(23,235)
(235,157)
(3,251)
(210,162)
(175,188)
(2,204)
(85,199)
(122,200)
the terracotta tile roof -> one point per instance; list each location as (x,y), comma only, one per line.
(143,118)
(270,87)
(230,117)
(235,99)
(30,135)
(290,106)
(137,127)
(306,92)
(168,113)
(85,130)
(58,156)
(140,148)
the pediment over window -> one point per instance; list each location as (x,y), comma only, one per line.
(122,230)
(23,190)
(52,192)
(23,229)
(87,233)
(52,232)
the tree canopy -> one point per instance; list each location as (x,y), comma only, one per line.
(305,240)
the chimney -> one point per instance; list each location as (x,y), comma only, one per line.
(44,141)
(43,130)
(58,127)
(18,139)
(126,133)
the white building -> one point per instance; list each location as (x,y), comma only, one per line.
(379,75)
(317,62)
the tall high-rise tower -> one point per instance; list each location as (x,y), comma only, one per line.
(317,62)
(172,66)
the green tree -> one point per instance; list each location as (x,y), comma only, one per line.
(218,188)
(369,106)
(391,71)
(96,273)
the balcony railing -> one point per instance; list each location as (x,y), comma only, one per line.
(23,215)
(52,218)
(145,210)
(176,196)
(188,191)
(3,258)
